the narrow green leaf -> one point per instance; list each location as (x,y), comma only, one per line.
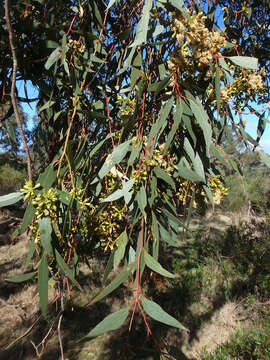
(246,61)
(142,200)
(121,248)
(45,234)
(177,120)
(178,4)
(114,158)
(142,27)
(28,216)
(188,174)
(111,322)
(164,176)
(52,58)
(225,67)
(109,267)
(217,87)
(160,85)
(64,267)
(22,278)
(127,186)
(43,278)
(10,199)
(202,118)
(163,115)
(134,153)
(115,283)
(157,313)
(198,167)
(158,30)
(47,178)
(155,266)
(155,236)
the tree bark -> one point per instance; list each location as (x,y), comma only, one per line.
(13,86)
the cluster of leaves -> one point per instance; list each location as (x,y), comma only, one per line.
(119,131)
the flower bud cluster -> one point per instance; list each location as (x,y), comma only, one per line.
(248,83)
(76,45)
(197,44)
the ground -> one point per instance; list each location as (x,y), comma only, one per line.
(211,319)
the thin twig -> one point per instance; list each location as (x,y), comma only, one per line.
(59,337)
(13,86)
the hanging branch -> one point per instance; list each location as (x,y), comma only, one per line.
(12,93)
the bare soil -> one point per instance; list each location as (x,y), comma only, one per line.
(24,334)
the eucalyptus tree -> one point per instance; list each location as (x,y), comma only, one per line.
(134,101)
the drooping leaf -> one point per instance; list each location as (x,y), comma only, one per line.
(177,120)
(111,322)
(127,186)
(134,153)
(188,174)
(162,119)
(46,106)
(64,267)
(43,278)
(52,58)
(10,199)
(45,234)
(157,313)
(164,176)
(114,158)
(202,118)
(124,274)
(155,266)
(22,278)
(142,200)
(155,236)
(121,248)
(142,27)
(47,178)
(160,85)
(28,216)
(245,61)
(109,266)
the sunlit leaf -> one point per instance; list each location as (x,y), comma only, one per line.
(52,58)
(45,234)
(245,61)
(142,27)
(157,313)
(155,266)
(22,278)
(10,199)
(111,322)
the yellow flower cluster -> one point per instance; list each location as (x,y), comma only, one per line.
(197,44)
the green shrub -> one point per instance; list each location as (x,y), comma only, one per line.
(10,179)
(248,345)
